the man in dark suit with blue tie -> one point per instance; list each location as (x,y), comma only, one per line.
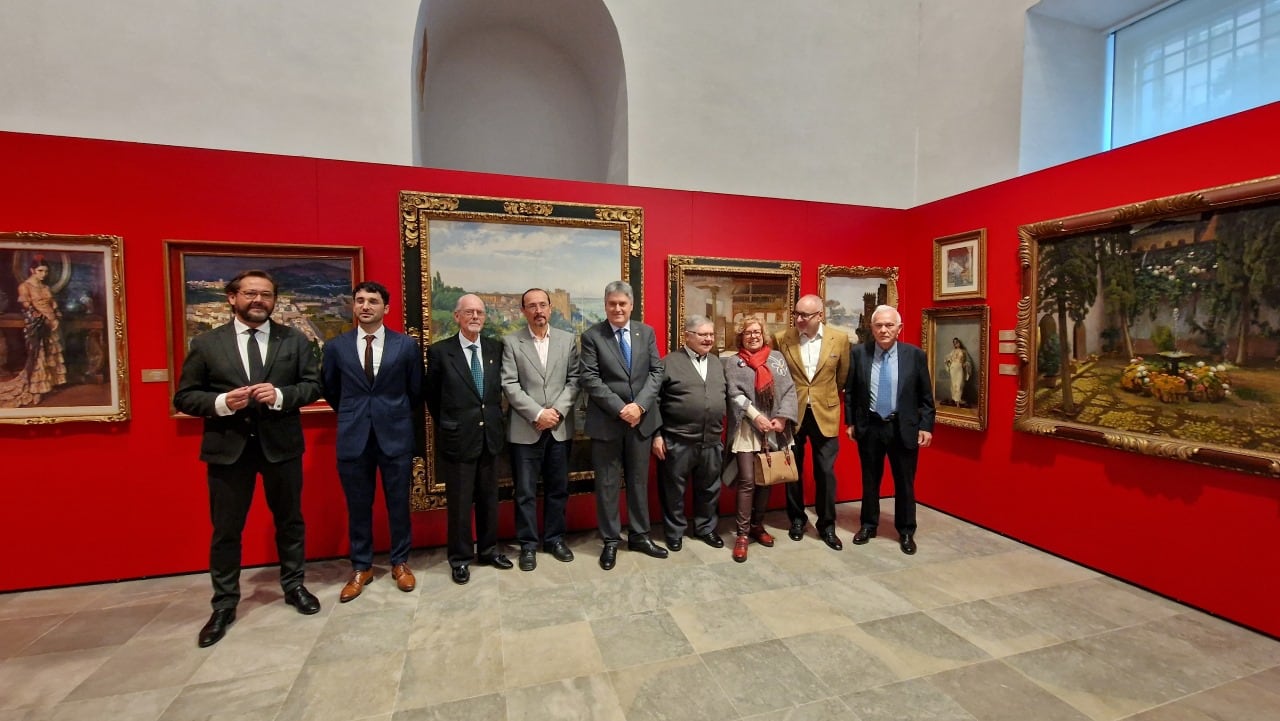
(464,394)
(372,376)
(889,410)
(247,380)
(621,375)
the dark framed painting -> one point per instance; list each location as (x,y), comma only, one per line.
(728,291)
(498,248)
(960,266)
(955,339)
(851,294)
(62,329)
(313,284)
(1155,327)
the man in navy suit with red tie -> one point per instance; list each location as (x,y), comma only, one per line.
(372,377)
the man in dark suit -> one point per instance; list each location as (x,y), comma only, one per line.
(621,375)
(247,379)
(464,394)
(889,411)
(540,380)
(694,397)
(818,358)
(372,377)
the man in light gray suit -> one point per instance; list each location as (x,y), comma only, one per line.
(621,375)
(540,380)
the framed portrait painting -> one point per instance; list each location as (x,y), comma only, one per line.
(852,292)
(1151,327)
(729,290)
(955,339)
(498,248)
(960,266)
(62,329)
(313,291)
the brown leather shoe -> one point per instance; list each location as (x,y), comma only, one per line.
(761,536)
(740,549)
(359,579)
(404,577)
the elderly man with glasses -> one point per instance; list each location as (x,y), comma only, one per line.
(818,359)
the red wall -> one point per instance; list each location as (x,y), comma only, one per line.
(88,502)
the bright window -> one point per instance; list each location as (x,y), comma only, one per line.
(1194,61)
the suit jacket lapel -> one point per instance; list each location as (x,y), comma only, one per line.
(529,347)
(462,361)
(791,349)
(231,346)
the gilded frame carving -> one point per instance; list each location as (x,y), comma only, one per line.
(522,244)
(727,290)
(956,340)
(73,320)
(1172,304)
(196,271)
(960,266)
(851,292)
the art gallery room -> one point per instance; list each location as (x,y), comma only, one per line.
(1073,204)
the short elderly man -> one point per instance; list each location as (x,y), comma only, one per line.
(463,391)
(688,447)
(248,379)
(540,379)
(621,375)
(818,358)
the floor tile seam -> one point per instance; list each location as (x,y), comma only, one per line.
(1019,672)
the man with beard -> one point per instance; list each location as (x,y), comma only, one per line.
(247,380)
(463,390)
(540,379)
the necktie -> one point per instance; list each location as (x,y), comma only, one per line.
(625,344)
(368,358)
(255,357)
(884,390)
(477,375)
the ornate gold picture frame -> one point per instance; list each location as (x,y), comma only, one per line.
(956,339)
(852,292)
(727,290)
(62,329)
(1152,327)
(498,248)
(960,266)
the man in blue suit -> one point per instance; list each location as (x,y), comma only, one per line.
(889,410)
(372,376)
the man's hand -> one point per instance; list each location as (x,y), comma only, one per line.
(632,414)
(548,418)
(659,447)
(264,393)
(924,438)
(849,431)
(238,398)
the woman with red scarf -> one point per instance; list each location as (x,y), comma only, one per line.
(762,409)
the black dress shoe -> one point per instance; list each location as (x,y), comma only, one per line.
(528,559)
(301,599)
(497,560)
(461,574)
(559,551)
(645,545)
(864,534)
(216,628)
(609,556)
(797,530)
(830,538)
(675,544)
(712,539)
(908,544)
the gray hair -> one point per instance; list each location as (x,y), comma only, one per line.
(897,317)
(620,286)
(692,322)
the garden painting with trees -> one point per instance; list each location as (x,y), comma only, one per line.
(1164,325)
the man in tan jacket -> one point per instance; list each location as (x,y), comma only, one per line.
(818,358)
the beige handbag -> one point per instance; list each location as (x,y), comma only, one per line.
(774,467)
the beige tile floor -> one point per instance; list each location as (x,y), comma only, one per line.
(973,627)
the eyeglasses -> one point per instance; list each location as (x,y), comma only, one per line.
(751,333)
(256,294)
(805,316)
(472,313)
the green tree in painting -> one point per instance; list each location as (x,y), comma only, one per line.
(1119,285)
(1248,246)
(1068,284)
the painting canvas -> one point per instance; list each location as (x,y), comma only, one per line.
(955,339)
(62,324)
(960,266)
(1155,327)
(313,291)
(729,290)
(852,292)
(497,248)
